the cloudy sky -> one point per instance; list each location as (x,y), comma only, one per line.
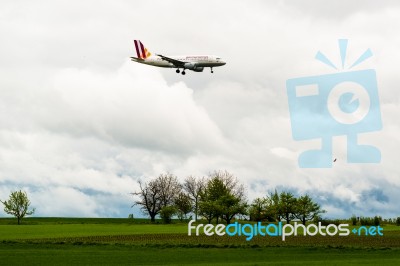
(80,123)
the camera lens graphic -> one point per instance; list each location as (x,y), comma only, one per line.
(348,102)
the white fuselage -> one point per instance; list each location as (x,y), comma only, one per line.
(198,60)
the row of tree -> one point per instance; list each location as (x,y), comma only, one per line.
(285,206)
(218,196)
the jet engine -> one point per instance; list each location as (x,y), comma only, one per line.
(193,67)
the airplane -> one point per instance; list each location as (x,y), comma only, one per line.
(196,63)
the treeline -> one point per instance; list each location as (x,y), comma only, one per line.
(376,220)
(218,197)
(285,206)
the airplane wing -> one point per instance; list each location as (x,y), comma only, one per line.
(176,63)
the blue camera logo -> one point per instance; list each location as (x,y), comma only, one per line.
(344,103)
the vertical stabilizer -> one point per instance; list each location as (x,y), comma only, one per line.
(141,51)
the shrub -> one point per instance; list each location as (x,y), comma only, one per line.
(353,220)
(317,219)
(398,221)
(366,221)
(377,220)
(167,212)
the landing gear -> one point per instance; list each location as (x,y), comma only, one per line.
(211,70)
(178,71)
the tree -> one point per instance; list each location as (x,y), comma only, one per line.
(230,182)
(222,197)
(215,190)
(231,206)
(353,220)
(262,209)
(208,209)
(306,209)
(287,206)
(17,205)
(208,205)
(169,188)
(275,205)
(158,193)
(150,199)
(194,187)
(183,205)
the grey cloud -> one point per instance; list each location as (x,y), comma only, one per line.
(78,118)
(374,194)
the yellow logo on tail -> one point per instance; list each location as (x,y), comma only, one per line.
(141,51)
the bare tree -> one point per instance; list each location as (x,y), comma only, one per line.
(156,194)
(230,182)
(169,188)
(150,199)
(193,186)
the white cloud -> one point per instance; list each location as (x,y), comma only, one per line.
(80,121)
(64,202)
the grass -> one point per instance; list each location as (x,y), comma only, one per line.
(83,230)
(17,254)
(54,228)
(82,241)
(73,220)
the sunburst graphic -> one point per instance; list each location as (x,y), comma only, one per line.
(343,52)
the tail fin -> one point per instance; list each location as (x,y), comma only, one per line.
(141,51)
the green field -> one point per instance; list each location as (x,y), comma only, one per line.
(81,241)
